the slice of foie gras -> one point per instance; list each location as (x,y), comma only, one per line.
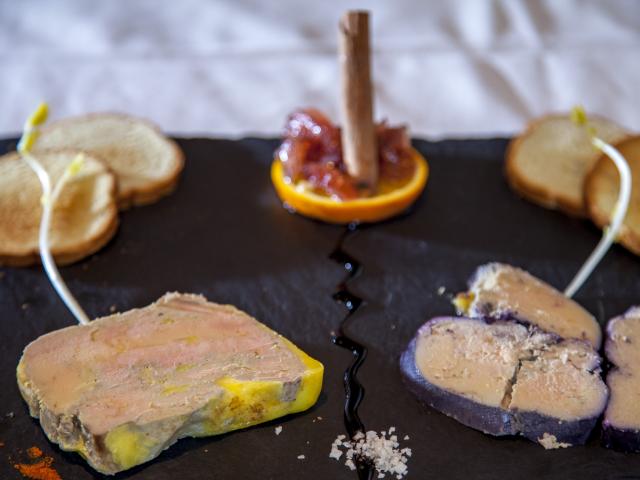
(125,387)
(621,424)
(502,292)
(504,378)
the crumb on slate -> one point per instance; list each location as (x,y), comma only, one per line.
(550,442)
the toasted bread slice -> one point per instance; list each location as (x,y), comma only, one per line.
(147,164)
(601,192)
(85,216)
(548,163)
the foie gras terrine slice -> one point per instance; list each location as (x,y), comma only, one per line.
(125,387)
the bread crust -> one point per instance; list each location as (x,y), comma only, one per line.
(68,256)
(629,236)
(81,249)
(143,194)
(544,196)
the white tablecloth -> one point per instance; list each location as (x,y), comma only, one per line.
(229,68)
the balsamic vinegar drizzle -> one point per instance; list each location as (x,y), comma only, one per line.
(354,391)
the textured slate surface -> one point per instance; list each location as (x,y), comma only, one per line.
(223,233)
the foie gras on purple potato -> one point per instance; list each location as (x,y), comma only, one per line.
(621,424)
(502,292)
(504,378)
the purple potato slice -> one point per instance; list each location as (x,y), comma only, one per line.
(621,424)
(504,378)
(501,292)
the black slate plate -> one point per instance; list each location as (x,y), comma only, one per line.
(223,233)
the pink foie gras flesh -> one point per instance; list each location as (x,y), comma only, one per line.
(136,352)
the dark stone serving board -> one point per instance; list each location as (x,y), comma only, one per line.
(224,234)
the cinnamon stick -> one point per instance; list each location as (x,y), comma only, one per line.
(359,147)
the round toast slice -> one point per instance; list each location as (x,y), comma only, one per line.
(146,163)
(601,192)
(85,215)
(548,163)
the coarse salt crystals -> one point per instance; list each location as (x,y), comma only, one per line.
(381,450)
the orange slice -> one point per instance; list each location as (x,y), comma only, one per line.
(370,209)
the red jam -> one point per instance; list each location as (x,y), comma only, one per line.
(312,152)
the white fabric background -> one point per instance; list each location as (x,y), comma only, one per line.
(447,68)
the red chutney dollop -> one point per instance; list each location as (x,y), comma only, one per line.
(312,151)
